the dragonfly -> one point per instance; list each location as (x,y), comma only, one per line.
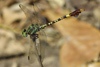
(36,30)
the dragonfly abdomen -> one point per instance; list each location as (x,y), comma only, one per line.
(75,13)
(43,26)
(66,16)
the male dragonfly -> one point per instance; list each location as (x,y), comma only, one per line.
(35,31)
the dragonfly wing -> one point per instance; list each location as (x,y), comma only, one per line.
(38,15)
(31,15)
(42,44)
(32,52)
(27,12)
(42,41)
(35,18)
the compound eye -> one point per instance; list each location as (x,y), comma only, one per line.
(24,30)
(24,33)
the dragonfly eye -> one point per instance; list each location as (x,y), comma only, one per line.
(24,33)
(32,24)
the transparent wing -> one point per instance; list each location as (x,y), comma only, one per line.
(34,16)
(32,52)
(42,44)
(31,15)
(42,35)
(38,14)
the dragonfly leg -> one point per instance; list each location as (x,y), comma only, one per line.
(34,36)
(37,36)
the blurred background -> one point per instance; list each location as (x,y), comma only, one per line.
(72,42)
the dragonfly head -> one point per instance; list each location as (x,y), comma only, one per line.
(24,33)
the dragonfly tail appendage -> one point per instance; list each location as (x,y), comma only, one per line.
(76,12)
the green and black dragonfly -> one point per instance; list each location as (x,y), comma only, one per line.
(35,31)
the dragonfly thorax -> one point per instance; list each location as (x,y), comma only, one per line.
(32,29)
